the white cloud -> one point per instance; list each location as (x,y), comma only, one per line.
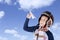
(15,3)
(3,38)
(55,29)
(2,13)
(16,34)
(1,1)
(56,26)
(20,37)
(10,31)
(31,4)
(8,1)
(56,36)
(24,37)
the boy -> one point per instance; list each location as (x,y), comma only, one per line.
(45,20)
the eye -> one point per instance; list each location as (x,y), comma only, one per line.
(44,19)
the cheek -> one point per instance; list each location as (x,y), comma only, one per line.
(42,23)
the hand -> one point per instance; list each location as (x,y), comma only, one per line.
(29,16)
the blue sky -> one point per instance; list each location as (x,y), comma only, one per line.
(13,14)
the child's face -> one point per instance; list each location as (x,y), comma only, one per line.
(43,21)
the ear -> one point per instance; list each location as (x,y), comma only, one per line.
(49,23)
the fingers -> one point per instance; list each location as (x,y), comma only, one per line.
(29,16)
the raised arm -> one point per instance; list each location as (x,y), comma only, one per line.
(26,27)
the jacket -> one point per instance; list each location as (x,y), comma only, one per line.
(33,28)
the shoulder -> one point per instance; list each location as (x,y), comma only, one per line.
(50,35)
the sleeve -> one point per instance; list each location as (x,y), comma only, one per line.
(27,28)
(50,35)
